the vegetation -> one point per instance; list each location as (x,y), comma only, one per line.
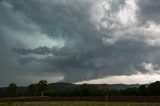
(12,90)
(32,89)
(71,90)
(76,104)
(42,86)
(35,89)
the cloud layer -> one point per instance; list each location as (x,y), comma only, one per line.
(76,40)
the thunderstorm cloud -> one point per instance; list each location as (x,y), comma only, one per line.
(78,40)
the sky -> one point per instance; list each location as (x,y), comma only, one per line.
(79,41)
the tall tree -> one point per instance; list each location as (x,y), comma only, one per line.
(33,89)
(142,90)
(12,89)
(42,86)
(154,88)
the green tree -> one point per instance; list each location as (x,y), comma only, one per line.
(12,89)
(142,90)
(42,86)
(33,89)
(154,88)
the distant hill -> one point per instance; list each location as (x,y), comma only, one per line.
(62,86)
(119,86)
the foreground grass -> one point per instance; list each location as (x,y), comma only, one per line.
(76,104)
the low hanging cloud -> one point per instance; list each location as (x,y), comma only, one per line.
(78,39)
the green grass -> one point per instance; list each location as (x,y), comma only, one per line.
(76,104)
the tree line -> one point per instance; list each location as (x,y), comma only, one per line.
(42,88)
(36,89)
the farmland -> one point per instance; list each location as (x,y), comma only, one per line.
(77,104)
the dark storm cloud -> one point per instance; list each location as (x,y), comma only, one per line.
(40,50)
(83,66)
(78,39)
(149,10)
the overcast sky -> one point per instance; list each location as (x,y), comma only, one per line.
(94,41)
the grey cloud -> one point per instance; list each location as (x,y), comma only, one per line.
(149,10)
(40,50)
(118,59)
(85,54)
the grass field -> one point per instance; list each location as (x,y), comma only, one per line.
(77,104)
